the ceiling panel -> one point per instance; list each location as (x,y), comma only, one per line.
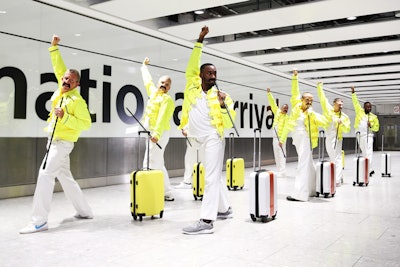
(339,51)
(352,71)
(143,10)
(360,31)
(365,61)
(283,17)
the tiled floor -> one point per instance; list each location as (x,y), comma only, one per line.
(360,226)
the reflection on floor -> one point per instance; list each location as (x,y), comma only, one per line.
(360,226)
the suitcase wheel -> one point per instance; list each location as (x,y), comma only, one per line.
(229,188)
(134,217)
(317,194)
(326,195)
(333,194)
(253,218)
(161,214)
(264,219)
(354,183)
(360,184)
(140,217)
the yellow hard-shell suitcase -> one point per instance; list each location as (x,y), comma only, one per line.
(198,180)
(234,168)
(235,173)
(147,192)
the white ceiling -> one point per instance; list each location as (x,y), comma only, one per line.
(273,36)
(312,36)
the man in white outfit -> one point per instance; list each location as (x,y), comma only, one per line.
(339,123)
(304,122)
(68,117)
(159,110)
(366,123)
(280,118)
(205,109)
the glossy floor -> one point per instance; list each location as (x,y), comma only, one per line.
(360,226)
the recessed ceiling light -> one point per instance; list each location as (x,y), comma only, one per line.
(3,12)
(77,34)
(199,12)
(351,18)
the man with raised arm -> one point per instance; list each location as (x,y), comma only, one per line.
(205,109)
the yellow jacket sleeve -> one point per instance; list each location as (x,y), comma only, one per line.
(57,61)
(164,116)
(272,103)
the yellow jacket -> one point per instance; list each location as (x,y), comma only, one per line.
(219,116)
(160,106)
(331,116)
(280,119)
(312,120)
(76,114)
(360,113)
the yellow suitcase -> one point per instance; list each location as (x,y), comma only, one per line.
(234,168)
(198,180)
(147,191)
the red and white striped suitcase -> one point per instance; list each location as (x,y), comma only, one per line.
(385,163)
(361,166)
(325,171)
(263,189)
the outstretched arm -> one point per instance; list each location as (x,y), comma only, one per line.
(146,76)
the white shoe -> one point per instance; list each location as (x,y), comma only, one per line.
(200,227)
(33,228)
(183,185)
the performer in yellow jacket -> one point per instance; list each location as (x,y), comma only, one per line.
(159,110)
(69,115)
(339,123)
(280,119)
(304,122)
(366,123)
(205,112)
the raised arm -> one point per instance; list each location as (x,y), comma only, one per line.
(271,101)
(57,61)
(193,67)
(146,76)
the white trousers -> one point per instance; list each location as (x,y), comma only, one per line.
(305,181)
(156,160)
(280,159)
(335,155)
(215,198)
(58,165)
(367,146)
(193,154)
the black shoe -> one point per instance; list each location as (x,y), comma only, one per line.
(371,173)
(291,199)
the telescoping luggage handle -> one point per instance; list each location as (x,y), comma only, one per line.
(357,148)
(231,145)
(255,149)
(382,142)
(321,146)
(148,150)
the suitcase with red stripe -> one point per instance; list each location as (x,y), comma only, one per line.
(325,171)
(263,189)
(361,166)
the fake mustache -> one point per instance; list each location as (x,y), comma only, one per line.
(66,84)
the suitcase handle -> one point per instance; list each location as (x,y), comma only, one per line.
(382,142)
(231,145)
(255,149)
(357,148)
(148,150)
(321,146)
